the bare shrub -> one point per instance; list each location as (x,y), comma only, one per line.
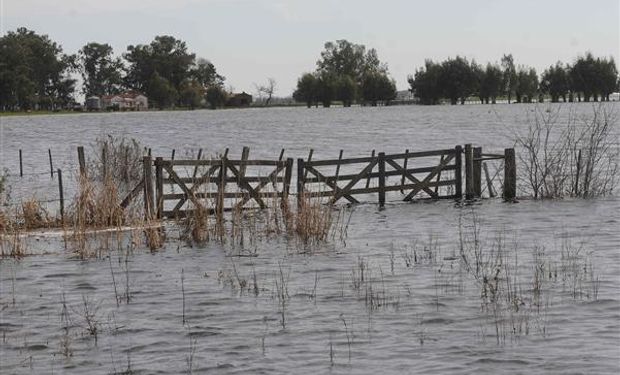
(578,158)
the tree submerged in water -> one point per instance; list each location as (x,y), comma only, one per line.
(346,72)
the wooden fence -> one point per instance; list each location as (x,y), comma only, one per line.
(219,184)
(371,174)
(222,184)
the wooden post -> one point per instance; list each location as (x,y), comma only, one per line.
(372,155)
(381,179)
(489,182)
(148,187)
(300,181)
(469,172)
(576,189)
(477,175)
(510,175)
(402,179)
(221,187)
(288,174)
(438,176)
(309,160)
(196,166)
(49,152)
(61,196)
(458,172)
(281,155)
(338,167)
(104,160)
(172,156)
(245,154)
(81,161)
(159,187)
(21,166)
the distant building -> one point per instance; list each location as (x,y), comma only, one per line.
(239,100)
(93,103)
(127,101)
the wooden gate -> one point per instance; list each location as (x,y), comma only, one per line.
(428,174)
(218,184)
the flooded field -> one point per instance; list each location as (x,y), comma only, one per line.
(434,287)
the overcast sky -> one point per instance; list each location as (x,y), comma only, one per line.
(250,40)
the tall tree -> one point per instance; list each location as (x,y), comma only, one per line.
(307,89)
(425,84)
(377,88)
(509,76)
(34,72)
(457,79)
(165,57)
(100,70)
(554,82)
(526,86)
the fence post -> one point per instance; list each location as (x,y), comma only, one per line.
(49,152)
(510,175)
(196,166)
(159,187)
(61,196)
(372,155)
(469,172)
(245,154)
(148,187)
(21,166)
(477,175)
(221,187)
(288,173)
(300,181)
(104,160)
(381,161)
(81,161)
(458,172)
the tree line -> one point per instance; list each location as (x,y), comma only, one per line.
(36,73)
(348,73)
(588,78)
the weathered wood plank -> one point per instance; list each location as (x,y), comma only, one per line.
(410,177)
(331,183)
(427,181)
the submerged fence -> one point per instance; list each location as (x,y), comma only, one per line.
(222,184)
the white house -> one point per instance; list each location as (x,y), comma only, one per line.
(127,101)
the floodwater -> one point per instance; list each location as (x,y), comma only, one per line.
(425,303)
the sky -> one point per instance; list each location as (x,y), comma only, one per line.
(252,40)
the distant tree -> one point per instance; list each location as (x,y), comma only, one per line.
(607,77)
(343,58)
(100,70)
(267,89)
(326,88)
(509,76)
(216,96)
(526,86)
(346,90)
(457,79)
(377,88)
(161,91)
(204,72)
(555,82)
(34,72)
(307,89)
(425,84)
(583,77)
(165,57)
(491,84)
(192,94)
